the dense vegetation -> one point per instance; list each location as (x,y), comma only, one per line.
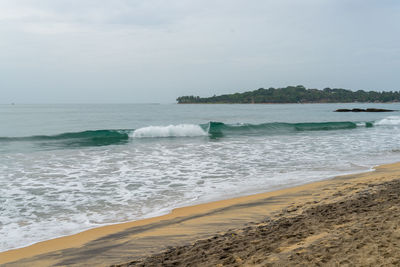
(296,94)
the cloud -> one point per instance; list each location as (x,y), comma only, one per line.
(154,50)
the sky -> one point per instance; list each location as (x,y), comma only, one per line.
(152,51)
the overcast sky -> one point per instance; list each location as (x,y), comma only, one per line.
(138,51)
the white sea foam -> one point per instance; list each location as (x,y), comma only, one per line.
(391,120)
(181,130)
(45,194)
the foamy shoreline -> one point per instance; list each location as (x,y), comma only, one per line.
(59,185)
(187,222)
(215,198)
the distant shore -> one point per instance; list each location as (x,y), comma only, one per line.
(296,94)
(350,219)
(286,103)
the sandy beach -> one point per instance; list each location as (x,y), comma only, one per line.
(199,133)
(349,220)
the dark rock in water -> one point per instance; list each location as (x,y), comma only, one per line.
(364,110)
(351,110)
(378,110)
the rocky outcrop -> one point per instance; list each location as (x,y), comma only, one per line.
(364,110)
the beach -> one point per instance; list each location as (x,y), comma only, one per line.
(188,133)
(348,220)
(72,168)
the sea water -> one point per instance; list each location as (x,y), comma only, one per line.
(68,168)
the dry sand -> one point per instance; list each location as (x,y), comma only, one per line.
(349,220)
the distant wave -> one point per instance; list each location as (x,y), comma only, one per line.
(211,129)
(85,138)
(219,129)
(181,130)
(391,120)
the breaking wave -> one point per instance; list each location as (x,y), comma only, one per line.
(391,120)
(219,129)
(76,139)
(211,129)
(181,130)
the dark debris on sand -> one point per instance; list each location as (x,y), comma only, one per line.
(359,230)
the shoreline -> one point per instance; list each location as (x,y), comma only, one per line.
(164,212)
(124,242)
(358,226)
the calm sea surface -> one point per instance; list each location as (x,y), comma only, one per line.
(67,168)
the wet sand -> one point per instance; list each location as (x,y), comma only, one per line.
(348,220)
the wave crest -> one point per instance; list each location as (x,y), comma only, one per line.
(75,139)
(391,120)
(181,130)
(219,129)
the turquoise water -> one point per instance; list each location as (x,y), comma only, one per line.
(67,168)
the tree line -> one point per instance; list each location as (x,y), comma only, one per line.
(295,94)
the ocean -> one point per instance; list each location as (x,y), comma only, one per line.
(68,168)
